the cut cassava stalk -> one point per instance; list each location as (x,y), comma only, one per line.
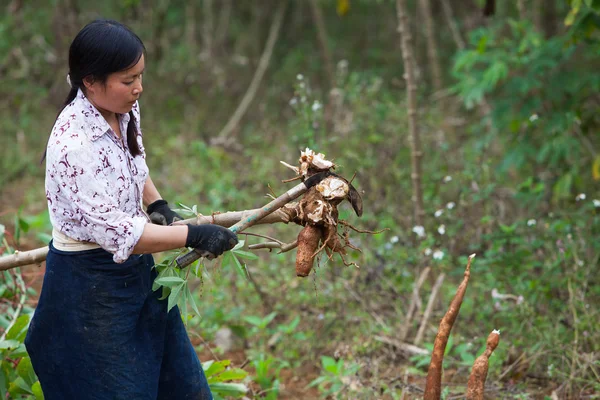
(476,385)
(20,258)
(433,385)
(227,219)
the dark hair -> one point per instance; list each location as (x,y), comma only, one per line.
(102,47)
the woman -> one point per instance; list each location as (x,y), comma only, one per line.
(99,331)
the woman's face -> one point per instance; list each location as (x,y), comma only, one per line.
(119,93)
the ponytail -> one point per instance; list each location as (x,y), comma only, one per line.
(132,143)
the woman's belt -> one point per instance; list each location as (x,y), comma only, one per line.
(64,243)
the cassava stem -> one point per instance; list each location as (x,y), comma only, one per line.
(433,385)
(227,219)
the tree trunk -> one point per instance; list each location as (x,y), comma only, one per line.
(223,25)
(207,31)
(522,9)
(456,35)
(411,90)
(190,29)
(258,75)
(159,29)
(432,46)
(323,42)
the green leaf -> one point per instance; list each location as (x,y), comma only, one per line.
(20,351)
(169,281)
(9,344)
(317,381)
(232,374)
(192,301)
(25,371)
(229,389)
(19,386)
(240,268)
(18,328)
(246,254)
(256,321)
(2,230)
(216,367)
(174,296)
(36,388)
(562,188)
(206,365)
(575,7)
(329,364)
(267,320)
(3,382)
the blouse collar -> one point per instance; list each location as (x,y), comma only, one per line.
(97,125)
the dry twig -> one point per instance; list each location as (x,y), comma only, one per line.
(434,293)
(415,303)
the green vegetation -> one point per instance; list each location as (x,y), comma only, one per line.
(510,171)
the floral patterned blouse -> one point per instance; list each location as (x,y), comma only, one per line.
(94,185)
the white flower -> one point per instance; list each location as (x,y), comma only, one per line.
(533,118)
(450,205)
(447,178)
(299,77)
(427,251)
(438,213)
(293,101)
(438,255)
(394,239)
(316,106)
(343,64)
(531,222)
(419,230)
(580,196)
(442,229)
(596,203)
(303,99)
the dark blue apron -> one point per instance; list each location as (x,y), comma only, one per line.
(99,332)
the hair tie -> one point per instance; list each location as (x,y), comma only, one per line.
(69,80)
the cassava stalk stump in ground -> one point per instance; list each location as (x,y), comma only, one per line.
(476,385)
(433,386)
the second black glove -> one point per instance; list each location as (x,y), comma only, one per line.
(161,214)
(214,239)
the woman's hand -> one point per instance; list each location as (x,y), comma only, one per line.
(161,214)
(210,238)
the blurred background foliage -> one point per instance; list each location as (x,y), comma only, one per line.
(510,172)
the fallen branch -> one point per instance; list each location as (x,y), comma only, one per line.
(476,385)
(433,389)
(415,303)
(434,293)
(407,347)
(258,75)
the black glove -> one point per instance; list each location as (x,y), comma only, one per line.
(161,214)
(210,238)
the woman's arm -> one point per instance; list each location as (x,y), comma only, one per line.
(150,194)
(156,238)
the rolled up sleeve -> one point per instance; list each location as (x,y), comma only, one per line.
(94,211)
